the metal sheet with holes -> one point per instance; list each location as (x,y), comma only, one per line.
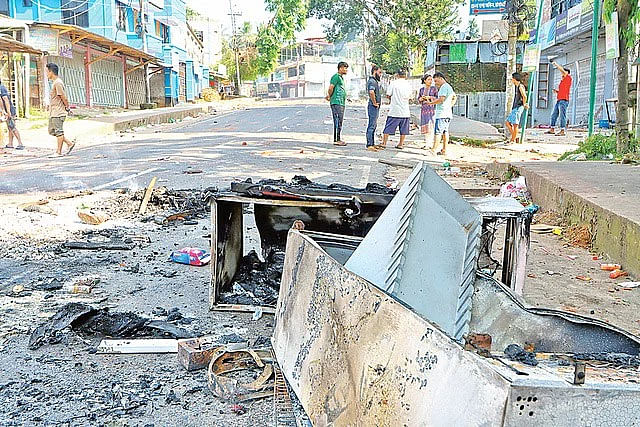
(423,250)
(355,356)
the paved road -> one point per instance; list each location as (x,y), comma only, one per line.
(272,142)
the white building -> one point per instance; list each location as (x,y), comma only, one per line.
(209,31)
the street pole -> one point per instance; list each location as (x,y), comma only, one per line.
(235,44)
(594,63)
(511,62)
(145,48)
(532,74)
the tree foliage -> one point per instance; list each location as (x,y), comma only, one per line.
(247,54)
(288,16)
(397,30)
(473,32)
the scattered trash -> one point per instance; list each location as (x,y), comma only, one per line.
(557,231)
(610,267)
(192,171)
(618,273)
(572,257)
(82,285)
(516,353)
(541,228)
(517,189)
(92,218)
(17,289)
(148,346)
(191,256)
(108,245)
(223,385)
(629,285)
(584,278)
(550,272)
(257,315)
(196,353)
(595,258)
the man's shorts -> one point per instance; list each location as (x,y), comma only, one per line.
(55,126)
(514,116)
(11,123)
(442,126)
(396,122)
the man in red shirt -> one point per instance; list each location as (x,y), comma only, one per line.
(562,93)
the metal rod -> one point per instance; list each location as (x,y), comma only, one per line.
(594,63)
(532,75)
(145,47)
(235,44)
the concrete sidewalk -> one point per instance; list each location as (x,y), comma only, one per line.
(604,195)
(89,131)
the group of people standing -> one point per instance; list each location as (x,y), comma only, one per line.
(436,98)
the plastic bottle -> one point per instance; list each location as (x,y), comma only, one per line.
(618,273)
(610,267)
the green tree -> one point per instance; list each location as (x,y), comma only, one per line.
(628,21)
(247,54)
(473,32)
(288,16)
(397,31)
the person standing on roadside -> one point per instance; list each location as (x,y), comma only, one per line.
(519,105)
(562,102)
(337,97)
(58,110)
(444,112)
(427,112)
(399,114)
(9,112)
(373,108)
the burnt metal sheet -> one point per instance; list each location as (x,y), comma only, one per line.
(423,251)
(355,356)
(500,313)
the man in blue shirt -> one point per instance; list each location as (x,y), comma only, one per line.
(373,108)
(9,113)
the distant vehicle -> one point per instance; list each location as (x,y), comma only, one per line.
(268,90)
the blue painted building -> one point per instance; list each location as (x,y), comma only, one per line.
(167,33)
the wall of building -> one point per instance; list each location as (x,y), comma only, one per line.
(576,57)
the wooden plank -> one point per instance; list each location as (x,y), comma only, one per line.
(147,196)
(241,308)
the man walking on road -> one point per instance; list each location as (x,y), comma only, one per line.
(560,109)
(444,112)
(9,112)
(373,108)
(58,110)
(337,97)
(399,114)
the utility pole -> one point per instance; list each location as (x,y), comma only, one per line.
(594,59)
(235,44)
(532,75)
(512,39)
(145,48)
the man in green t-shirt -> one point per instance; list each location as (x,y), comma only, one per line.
(337,96)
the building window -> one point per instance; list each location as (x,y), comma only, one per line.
(292,72)
(301,70)
(4,7)
(162,31)
(121,24)
(557,7)
(27,3)
(75,12)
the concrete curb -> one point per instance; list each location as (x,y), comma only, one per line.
(614,235)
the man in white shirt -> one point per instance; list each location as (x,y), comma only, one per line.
(399,115)
(444,111)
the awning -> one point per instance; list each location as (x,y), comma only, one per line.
(8,44)
(78,34)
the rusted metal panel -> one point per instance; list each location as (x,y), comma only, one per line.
(356,356)
(227,240)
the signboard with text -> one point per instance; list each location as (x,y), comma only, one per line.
(576,20)
(65,48)
(612,37)
(487,7)
(45,39)
(531,59)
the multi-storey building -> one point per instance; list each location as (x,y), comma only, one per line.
(103,46)
(305,68)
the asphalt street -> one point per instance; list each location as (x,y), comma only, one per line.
(262,142)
